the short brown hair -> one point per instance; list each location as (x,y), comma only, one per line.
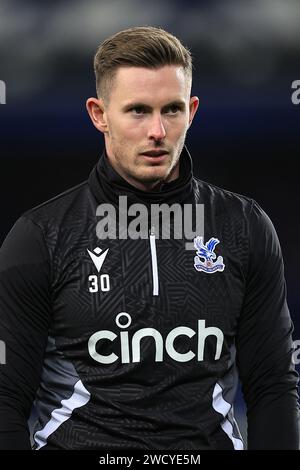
(143,46)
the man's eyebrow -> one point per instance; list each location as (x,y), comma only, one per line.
(139,104)
(179,103)
(135,104)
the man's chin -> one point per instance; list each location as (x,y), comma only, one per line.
(155,174)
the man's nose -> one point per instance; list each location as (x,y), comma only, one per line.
(156,129)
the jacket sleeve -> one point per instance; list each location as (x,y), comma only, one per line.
(264,344)
(25,314)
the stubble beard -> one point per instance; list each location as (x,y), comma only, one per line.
(135,172)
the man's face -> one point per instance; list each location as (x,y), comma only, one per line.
(146,119)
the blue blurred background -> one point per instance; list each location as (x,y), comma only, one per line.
(245,137)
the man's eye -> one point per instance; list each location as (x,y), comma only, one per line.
(173,109)
(137,110)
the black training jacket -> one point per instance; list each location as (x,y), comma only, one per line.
(122,343)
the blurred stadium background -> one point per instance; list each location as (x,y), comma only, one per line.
(245,137)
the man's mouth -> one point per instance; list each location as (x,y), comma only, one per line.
(155,153)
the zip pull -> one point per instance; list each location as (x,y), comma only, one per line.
(154,261)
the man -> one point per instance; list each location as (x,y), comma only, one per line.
(127,342)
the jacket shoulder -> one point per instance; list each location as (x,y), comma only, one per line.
(209,193)
(58,206)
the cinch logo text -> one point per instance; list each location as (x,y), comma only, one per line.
(130,348)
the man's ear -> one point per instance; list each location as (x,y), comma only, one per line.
(96,109)
(194,103)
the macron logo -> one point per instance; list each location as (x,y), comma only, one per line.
(98,257)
